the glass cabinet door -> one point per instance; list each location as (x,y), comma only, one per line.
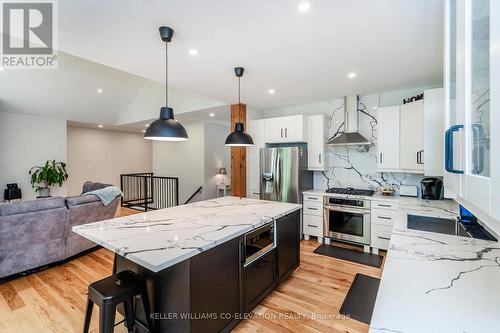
(476,180)
(479,108)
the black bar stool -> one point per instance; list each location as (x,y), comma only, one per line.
(107,293)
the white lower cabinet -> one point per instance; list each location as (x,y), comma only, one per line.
(383,217)
(312,221)
(313,225)
(381,235)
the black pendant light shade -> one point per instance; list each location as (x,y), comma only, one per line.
(239,138)
(166,128)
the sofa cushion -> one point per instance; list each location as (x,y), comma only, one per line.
(12,208)
(91,186)
(80,200)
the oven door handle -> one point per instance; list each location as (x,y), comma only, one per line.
(346,210)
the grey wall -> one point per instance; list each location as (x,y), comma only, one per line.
(26,141)
(102,155)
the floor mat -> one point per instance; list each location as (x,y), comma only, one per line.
(374,260)
(360,299)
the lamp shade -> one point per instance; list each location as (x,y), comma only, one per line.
(239,138)
(222,171)
(166,128)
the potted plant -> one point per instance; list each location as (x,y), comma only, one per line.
(51,173)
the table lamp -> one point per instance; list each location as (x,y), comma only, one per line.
(222,172)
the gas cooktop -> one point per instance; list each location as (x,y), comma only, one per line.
(350,190)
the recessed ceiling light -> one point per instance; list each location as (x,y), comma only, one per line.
(351,75)
(304,6)
(271,91)
(193,52)
(143,131)
(99,91)
(147,125)
(100,126)
(212,115)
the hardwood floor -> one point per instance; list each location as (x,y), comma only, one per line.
(53,300)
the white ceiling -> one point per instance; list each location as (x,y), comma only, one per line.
(390,44)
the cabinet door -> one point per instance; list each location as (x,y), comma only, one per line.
(274,131)
(259,279)
(288,237)
(316,143)
(388,138)
(434,132)
(256,128)
(293,127)
(476,178)
(452,119)
(215,286)
(412,137)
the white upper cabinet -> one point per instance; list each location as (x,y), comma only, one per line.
(274,131)
(316,143)
(286,129)
(388,138)
(472,147)
(412,137)
(434,132)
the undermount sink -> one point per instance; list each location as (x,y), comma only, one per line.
(432,224)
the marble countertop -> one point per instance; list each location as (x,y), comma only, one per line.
(434,282)
(160,239)
(438,283)
(439,208)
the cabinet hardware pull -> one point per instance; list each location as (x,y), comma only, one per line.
(384,238)
(383,205)
(380,159)
(320,158)
(311,208)
(448,152)
(281,133)
(312,226)
(286,132)
(384,218)
(312,198)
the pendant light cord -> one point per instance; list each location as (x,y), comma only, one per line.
(166,74)
(239,99)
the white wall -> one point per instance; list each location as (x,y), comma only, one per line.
(216,157)
(26,141)
(195,162)
(102,155)
(184,160)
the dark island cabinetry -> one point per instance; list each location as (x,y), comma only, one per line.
(288,238)
(211,291)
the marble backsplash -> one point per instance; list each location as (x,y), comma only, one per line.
(353,167)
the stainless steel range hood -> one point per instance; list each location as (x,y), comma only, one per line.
(351,136)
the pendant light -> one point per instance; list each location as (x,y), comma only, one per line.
(239,138)
(166,128)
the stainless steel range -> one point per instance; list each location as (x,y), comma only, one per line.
(347,219)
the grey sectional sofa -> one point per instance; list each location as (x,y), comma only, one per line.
(38,232)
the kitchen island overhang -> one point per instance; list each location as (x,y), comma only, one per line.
(192,258)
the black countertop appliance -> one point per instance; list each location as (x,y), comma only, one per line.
(431,188)
(12,192)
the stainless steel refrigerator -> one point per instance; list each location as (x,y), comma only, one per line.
(283,173)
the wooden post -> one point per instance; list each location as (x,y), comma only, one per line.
(238,154)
